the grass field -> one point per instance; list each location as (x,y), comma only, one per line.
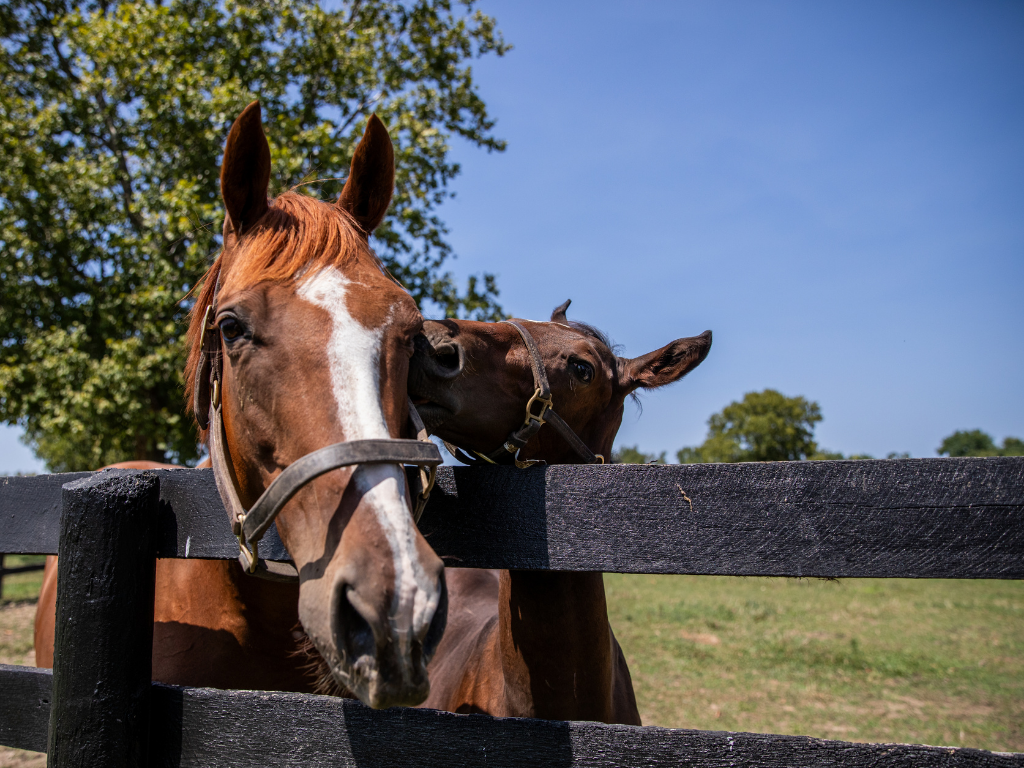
(928,662)
(22,586)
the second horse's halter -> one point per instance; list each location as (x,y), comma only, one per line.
(539,411)
(249,525)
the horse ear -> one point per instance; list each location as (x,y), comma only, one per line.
(371,179)
(665,365)
(245,172)
(558,315)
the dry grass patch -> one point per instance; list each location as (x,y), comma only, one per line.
(16,648)
(930,662)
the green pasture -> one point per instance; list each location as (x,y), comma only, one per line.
(927,662)
(22,586)
(932,662)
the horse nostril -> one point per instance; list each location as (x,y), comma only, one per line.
(437,623)
(448,358)
(353,634)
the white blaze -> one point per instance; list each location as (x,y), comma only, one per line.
(353,354)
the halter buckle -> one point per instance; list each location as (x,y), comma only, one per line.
(428,477)
(251,556)
(545,403)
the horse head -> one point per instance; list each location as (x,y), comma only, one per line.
(472,382)
(312,340)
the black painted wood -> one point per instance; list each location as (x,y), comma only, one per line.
(922,518)
(925,518)
(191,523)
(19,569)
(104,630)
(24,706)
(203,727)
(30,512)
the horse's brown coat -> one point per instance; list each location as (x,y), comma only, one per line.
(533,643)
(280,391)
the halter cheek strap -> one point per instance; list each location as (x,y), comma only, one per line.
(539,411)
(249,525)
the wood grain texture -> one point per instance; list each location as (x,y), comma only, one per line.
(30,513)
(203,727)
(922,518)
(25,695)
(103,645)
(191,523)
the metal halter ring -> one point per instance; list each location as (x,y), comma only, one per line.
(251,555)
(538,397)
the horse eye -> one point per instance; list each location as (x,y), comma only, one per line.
(584,372)
(231,329)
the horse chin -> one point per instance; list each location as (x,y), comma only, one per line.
(365,680)
(434,415)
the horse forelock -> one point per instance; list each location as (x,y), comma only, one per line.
(298,235)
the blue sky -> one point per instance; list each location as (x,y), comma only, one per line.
(835,189)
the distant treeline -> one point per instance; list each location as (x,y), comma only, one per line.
(768,426)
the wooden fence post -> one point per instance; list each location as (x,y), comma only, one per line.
(103,649)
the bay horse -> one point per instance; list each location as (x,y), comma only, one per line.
(311,342)
(532,643)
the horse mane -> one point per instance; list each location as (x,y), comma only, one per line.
(297,235)
(588,330)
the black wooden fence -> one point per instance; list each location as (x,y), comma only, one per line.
(925,518)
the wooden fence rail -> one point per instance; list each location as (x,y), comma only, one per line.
(959,518)
(920,518)
(204,727)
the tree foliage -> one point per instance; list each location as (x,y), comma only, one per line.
(974,442)
(112,121)
(764,426)
(633,455)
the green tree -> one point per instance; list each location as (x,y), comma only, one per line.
(633,455)
(974,442)
(764,426)
(112,121)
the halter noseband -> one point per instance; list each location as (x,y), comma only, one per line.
(539,411)
(249,525)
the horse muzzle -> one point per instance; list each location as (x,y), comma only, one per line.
(381,655)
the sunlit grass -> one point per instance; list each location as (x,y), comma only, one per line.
(22,586)
(932,662)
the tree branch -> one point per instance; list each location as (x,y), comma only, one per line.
(114,145)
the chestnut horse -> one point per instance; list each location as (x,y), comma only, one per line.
(314,343)
(532,643)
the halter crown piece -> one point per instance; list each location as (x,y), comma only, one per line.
(249,525)
(539,411)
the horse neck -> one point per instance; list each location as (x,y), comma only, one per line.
(556,645)
(558,654)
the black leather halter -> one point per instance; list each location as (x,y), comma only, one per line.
(249,525)
(539,411)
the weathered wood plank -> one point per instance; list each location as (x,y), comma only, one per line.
(30,512)
(103,647)
(25,695)
(192,521)
(922,518)
(202,727)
